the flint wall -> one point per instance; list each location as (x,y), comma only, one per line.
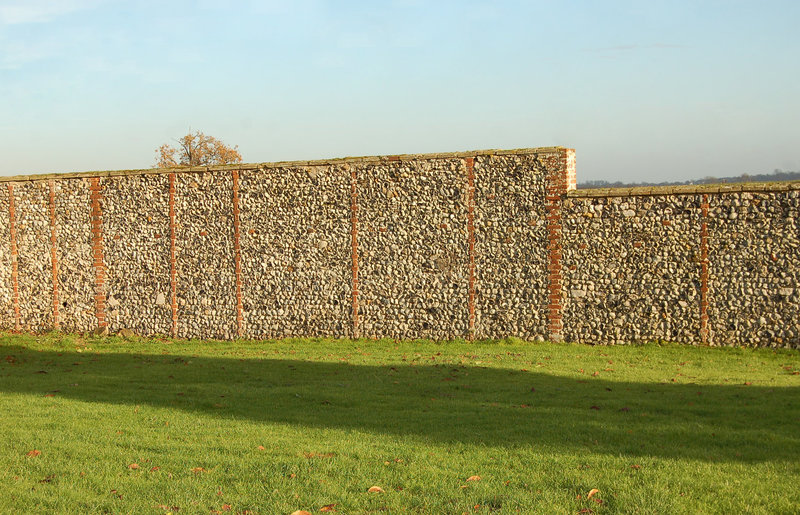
(484,244)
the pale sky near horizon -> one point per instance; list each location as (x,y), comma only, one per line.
(643,90)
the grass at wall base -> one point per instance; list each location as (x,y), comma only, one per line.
(156,426)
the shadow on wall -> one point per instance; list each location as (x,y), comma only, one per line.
(438,403)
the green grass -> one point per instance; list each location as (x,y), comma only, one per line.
(281,426)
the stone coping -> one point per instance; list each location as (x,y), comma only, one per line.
(687,189)
(286,164)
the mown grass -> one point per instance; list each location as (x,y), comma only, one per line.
(273,427)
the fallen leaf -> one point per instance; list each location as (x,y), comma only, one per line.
(747,383)
(319,455)
(226,507)
(328,507)
(300,512)
(154,469)
(474,478)
(261,448)
(598,500)
(133,466)
(636,466)
(198,470)
(592,492)
(33,453)
(375,490)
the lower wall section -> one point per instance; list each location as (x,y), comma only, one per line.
(632,269)
(754,254)
(76,276)
(35,281)
(412,245)
(205,255)
(136,251)
(7,316)
(510,247)
(489,244)
(295,241)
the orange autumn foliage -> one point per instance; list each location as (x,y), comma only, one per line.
(197,149)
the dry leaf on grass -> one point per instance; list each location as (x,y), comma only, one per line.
(375,490)
(300,512)
(318,455)
(199,470)
(261,448)
(133,466)
(592,492)
(474,478)
(33,453)
(328,507)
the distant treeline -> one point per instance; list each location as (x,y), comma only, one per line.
(777,175)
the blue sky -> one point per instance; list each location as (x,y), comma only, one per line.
(643,90)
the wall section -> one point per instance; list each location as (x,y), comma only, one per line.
(295,241)
(137,254)
(511,254)
(206,289)
(35,282)
(486,244)
(7,317)
(754,262)
(632,269)
(412,246)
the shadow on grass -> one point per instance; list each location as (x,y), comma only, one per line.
(438,403)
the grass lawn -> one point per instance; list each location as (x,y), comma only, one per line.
(153,426)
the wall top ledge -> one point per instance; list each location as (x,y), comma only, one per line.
(288,164)
(689,189)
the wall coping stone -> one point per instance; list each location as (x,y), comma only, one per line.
(687,189)
(286,164)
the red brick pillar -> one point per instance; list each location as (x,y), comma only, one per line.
(12,225)
(559,178)
(97,253)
